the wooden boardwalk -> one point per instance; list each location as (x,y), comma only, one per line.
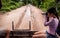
(21,18)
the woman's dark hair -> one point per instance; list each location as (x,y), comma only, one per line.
(53,11)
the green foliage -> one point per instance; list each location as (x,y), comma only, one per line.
(16,0)
(58,8)
(47,4)
(9,5)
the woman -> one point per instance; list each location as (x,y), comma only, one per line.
(52,22)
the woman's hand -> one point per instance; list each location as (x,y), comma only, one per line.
(39,36)
(50,18)
(39,32)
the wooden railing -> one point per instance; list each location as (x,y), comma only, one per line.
(19,34)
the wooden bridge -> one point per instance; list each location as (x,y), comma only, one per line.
(22,22)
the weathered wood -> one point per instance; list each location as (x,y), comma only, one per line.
(21,21)
(20,34)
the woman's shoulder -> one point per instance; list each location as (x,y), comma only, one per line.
(56,20)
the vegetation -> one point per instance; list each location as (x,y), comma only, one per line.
(8,5)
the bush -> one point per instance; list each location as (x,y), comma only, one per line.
(8,5)
(5,9)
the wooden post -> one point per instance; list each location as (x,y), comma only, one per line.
(13,25)
(29,25)
(12,29)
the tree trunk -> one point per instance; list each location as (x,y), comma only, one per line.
(0,4)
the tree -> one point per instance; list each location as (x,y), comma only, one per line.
(57,1)
(0,4)
(16,0)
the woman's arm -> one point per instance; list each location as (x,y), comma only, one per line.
(40,32)
(46,23)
